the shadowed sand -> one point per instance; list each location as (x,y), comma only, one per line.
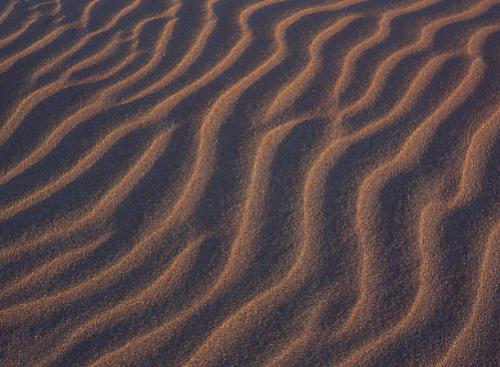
(249,183)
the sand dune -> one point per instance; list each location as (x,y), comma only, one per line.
(249,183)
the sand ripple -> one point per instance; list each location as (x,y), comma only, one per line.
(249,183)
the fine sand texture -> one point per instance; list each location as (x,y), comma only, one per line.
(226,183)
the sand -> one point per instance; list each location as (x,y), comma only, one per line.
(225,183)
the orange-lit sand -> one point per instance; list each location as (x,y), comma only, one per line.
(224,183)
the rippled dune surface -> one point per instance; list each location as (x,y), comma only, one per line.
(250,183)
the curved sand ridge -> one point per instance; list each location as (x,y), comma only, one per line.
(249,183)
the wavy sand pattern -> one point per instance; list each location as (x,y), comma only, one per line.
(249,183)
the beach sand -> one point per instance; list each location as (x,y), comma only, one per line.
(223,183)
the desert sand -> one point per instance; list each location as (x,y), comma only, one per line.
(223,183)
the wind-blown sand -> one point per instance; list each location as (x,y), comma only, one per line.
(250,183)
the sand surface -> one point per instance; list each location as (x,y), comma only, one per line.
(224,183)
